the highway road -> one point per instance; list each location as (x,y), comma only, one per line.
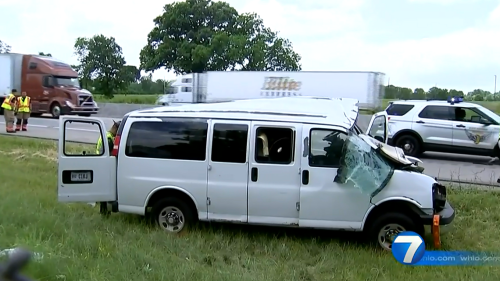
(446,167)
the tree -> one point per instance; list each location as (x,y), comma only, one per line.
(44,54)
(201,35)
(101,60)
(131,73)
(4,47)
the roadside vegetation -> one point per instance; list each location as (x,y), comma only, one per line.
(78,244)
(131,99)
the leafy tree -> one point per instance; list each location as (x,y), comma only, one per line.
(102,61)
(201,35)
(4,47)
(44,54)
(131,73)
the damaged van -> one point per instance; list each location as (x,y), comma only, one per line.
(292,161)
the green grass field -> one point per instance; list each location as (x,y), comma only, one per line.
(151,99)
(78,244)
(133,99)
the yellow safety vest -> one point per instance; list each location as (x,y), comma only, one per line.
(23,106)
(7,102)
(99,142)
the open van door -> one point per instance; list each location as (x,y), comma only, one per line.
(379,127)
(84,173)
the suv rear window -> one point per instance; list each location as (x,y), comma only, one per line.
(174,138)
(398,109)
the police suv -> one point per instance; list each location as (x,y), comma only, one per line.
(294,161)
(451,126)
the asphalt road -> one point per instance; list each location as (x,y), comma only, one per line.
(444,166)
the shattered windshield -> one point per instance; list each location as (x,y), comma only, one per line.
(363,166)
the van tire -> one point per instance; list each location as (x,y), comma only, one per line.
(55,110)
(175,208)
(390,224)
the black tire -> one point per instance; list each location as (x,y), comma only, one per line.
(1,108)
(55,110)
(389,223)
(176,205)
(414,147)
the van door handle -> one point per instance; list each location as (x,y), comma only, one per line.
(254,174)
(420,122)
(460,126)
(305,177)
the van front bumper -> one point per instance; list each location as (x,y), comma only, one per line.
(439,223)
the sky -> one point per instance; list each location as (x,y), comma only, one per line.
(451,44)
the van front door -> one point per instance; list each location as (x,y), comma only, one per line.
(378,127)
(228,171)
(323,202)
(84,174)
(274,181)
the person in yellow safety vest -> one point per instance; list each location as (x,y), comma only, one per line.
(110,136)
(23,111)
(9,107)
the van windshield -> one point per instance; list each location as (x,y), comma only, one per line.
(67,81)
(363,166)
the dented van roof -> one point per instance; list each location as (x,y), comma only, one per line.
(341,112)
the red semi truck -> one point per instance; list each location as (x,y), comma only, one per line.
(53,85)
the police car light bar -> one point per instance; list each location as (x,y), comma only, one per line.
(454,100)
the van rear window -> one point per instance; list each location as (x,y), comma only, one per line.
(398,109)
(174,138)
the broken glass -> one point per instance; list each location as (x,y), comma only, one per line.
(363,166)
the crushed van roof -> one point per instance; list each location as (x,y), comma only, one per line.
(329,111)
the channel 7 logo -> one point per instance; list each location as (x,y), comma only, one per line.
(408,247)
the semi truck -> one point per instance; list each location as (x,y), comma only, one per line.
(220,86)
(53,85)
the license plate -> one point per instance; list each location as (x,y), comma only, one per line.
(80,176)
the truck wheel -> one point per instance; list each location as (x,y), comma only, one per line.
(409,144)
(173,215)
(55,110)
(387,226)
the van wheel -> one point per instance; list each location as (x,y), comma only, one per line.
(409,144)
(55,110)
(173,215)
(386,227)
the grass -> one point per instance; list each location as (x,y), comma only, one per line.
(78,244)
(133,99)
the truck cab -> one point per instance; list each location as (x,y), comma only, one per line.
(53,85)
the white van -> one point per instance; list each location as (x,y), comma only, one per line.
(294,161)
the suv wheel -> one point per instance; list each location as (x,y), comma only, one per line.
(409,144)
(386,227)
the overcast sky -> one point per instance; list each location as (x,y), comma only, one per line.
(417,43)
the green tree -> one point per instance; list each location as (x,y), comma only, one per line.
(131,73)
(101,60)
(419,94)
(201,35)
(4,47)
(44,54)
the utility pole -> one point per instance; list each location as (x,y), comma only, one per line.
(389,82)
(495,89)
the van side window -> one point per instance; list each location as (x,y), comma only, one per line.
(229,143)
(274,145)
(325,148)
(174,138)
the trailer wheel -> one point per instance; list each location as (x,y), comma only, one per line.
(55,110)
